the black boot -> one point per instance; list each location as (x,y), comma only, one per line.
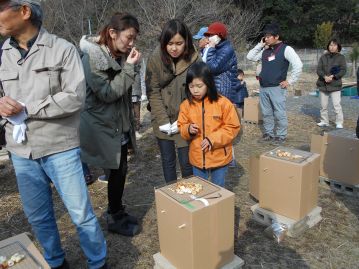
(122,223)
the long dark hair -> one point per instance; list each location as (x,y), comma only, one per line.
(200,70)
(170,29)
(119,22)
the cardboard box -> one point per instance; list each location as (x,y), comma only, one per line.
(22,244)
(193,235)
(252,111)
(316,144)
(339,150)
(289,187)
(254,176)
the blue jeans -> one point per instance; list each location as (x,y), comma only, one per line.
(64,170)
(168,156)
(218,174)
(272,103)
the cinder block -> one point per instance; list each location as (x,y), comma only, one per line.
(295,227)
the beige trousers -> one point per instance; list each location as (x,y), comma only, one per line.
(324,99)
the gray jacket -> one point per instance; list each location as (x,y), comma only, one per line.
(50,82)
(108,112)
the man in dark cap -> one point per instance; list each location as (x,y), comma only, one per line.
(276,57)
(44,85)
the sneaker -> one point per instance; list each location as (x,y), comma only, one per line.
(278,141)
(322,124)
(266,138)
(138,135)
(64,265)
(103,179)
(339,126)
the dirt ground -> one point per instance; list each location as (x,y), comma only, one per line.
(333,243)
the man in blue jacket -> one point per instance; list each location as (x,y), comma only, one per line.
(276,57)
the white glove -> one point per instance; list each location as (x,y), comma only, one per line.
(19,117)
(143,97)
(18,120)
(18,133)
(166,128)
(174,128)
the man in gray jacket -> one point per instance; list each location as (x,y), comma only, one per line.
(276,57)
(43,80)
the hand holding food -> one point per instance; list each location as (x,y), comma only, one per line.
(134,56)
(193,129)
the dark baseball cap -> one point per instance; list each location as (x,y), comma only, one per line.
(272,28)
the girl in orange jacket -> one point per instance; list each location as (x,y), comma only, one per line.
(210,123)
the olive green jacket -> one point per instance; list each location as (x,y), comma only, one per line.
(108,112)
(331,64)
(165,86)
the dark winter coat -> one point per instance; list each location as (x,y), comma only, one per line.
(108,113)
(165,86)
(242,93)
(222,61)
(331,64)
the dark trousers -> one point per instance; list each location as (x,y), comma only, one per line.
(168,156)
(116,183)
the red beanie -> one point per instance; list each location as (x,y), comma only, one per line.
(217,28)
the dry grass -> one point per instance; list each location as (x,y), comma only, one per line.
(333,243)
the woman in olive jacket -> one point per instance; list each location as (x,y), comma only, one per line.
(107,123)
(331,68)
(165,84)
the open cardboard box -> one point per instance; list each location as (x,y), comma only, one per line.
(194,235)
(23,245)
(289,188)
